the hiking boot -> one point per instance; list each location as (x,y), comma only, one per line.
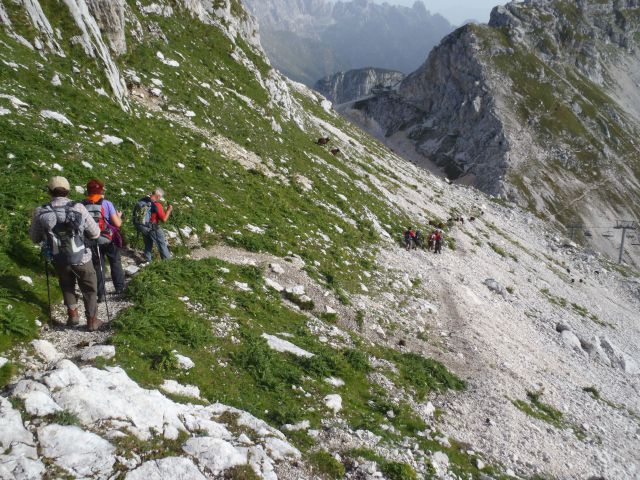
(73,317)
(101,298)
(93,324)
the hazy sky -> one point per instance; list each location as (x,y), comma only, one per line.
(456,11)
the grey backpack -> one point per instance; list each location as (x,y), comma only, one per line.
(65,240)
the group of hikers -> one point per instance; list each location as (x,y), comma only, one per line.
(414,239)
(77,238)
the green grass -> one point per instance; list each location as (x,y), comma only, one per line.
(398,471)
(247,373)
(536,408)
(502,252)
(326,464)
(241,472)
(578,309)
(7,371)
(65,417)
(223,194)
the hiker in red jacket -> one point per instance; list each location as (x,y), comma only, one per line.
(147,216)
(409,238)
(108,245)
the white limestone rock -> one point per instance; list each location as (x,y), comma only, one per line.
(619,358)
(280,450)
(276,268)
(80,453)
(280,345)
(336,382)
(131,270)
(273,284)
(333,402)
(303,425)
(171,386)
(91,353)
(215,454)
(46,351)
(40,404)
(174,468)
(184,363)
(571,340)
(58,117)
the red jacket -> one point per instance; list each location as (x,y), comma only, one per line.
(157,213)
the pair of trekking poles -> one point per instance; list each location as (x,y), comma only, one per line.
(48,259)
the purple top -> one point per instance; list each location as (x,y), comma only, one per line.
(109,210)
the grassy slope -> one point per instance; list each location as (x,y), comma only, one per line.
(213,190)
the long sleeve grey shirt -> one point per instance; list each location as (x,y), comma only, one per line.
(43,222)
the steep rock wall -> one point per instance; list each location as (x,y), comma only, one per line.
(348,86)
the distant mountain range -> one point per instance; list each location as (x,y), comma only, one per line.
(311,39)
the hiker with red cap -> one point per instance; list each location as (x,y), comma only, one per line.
(64,227)
(108,245)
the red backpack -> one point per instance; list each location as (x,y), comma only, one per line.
(96,210)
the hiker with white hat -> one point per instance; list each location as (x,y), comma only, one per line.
(63,225)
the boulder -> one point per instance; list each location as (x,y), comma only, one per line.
(571,340)
(595,351)
(280,345)
(131,270)
(46,351)
(494,286)
(215,454)
(81,454)
(276,268)
(333,402)
(40,404)
(619,358)
(273,284)
(171,386)
(184,363)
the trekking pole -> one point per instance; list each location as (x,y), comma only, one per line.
(104,282)
(46,269)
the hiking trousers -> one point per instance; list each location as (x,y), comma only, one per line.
(156,236)
(112,253)
(85,277)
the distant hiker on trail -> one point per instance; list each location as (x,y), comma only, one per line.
(63,225)
(409,238)
(419,239)
(147,215)
(110,241)
(432,241)
(439,238)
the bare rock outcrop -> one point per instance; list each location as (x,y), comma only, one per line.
(110,15)
(348,86)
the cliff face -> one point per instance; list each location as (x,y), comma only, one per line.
(310,39)
(540,106)
(348,86)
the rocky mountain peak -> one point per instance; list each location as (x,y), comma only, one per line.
(547,86)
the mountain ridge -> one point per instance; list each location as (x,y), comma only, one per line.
(546,87)
(310,39)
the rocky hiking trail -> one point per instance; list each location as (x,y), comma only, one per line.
(88,422)
(438,305)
